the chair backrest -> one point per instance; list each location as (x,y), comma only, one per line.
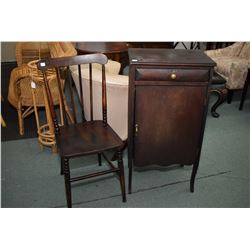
(245,52)
(29,51)
(61,49)
(62,66)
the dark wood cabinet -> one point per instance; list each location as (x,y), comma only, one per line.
(168,97)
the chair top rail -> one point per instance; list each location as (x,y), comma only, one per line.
(47,63)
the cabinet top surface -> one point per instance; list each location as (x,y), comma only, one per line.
(169,57)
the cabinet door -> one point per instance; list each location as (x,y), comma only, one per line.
(168,122)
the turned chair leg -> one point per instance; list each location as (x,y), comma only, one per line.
(67,181)
(121,174)
(62,166)
(114,157)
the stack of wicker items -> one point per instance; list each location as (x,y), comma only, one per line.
(26,87)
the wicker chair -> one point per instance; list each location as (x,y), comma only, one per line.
(20,93)
(29,51)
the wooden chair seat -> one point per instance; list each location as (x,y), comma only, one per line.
(87,138)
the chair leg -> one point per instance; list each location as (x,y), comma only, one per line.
(221,94)
(20,118)
(67,181)
(230,96)
(114,157)
(121,174)
(54,149)
(243,96)
(99,159)
(62,166)
(3,123)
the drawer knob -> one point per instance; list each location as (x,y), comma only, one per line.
(173,76)
(136,128)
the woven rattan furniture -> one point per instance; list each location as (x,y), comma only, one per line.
(83,137)
(29,51)
(46,133)
(21,95)
(3,123)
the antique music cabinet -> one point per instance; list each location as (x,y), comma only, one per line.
(168,99)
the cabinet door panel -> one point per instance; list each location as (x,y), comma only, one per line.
(168,122)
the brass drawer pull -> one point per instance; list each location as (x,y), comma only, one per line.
(136,128)
(173,76)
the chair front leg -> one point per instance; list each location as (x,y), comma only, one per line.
(62,166)
(20,118)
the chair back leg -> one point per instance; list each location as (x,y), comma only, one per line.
(67,181)
(121,174)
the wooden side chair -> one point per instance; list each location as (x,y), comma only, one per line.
(82,137)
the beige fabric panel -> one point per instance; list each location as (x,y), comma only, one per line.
(117,98)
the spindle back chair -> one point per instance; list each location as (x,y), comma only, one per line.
(77,137)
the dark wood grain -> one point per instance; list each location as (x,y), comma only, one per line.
(78,137)
(167,128)
(48,63)
(167,113)
(163,74)
(170,57)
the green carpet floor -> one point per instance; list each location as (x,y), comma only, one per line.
(30,176)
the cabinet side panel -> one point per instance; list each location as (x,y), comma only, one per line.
(168,121)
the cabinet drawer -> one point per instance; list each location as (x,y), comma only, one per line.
(172,74)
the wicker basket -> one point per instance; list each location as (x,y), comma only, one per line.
(46,133)
(37,75)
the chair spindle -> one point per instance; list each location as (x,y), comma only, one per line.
(63,117)
(71,94)
(91,92)
(81,93)
(104,96)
